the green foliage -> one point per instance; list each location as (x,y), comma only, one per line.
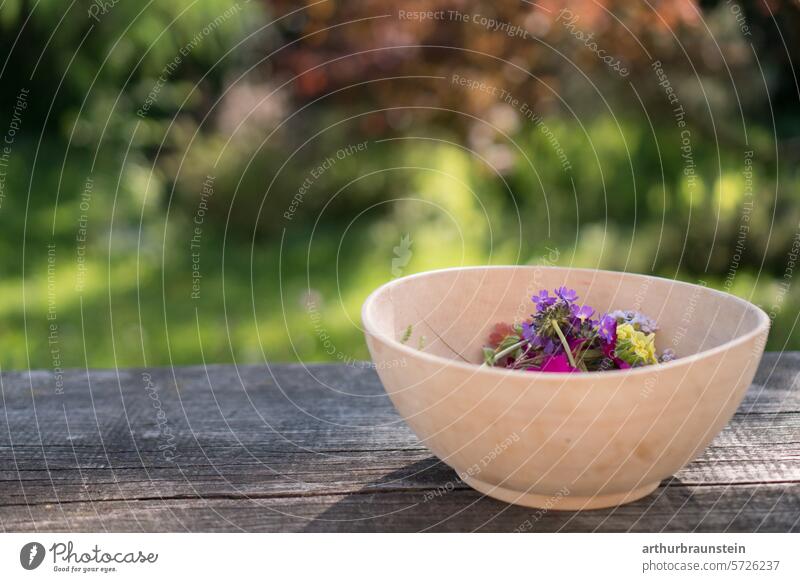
(124,157)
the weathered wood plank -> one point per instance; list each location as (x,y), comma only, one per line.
(680,509)
(282,447)
(731,459)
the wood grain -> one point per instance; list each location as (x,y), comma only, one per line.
(320,448)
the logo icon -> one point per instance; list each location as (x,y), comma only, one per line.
(31,555)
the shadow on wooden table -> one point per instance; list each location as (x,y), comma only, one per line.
(429,496)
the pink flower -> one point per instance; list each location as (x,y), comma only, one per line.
(558,363)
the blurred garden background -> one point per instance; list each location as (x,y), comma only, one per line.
(219,181)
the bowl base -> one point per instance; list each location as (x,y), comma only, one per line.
(560,502)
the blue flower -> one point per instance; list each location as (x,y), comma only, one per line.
(621,316)
(644,323)
(638,320)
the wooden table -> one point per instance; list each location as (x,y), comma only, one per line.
(320,448)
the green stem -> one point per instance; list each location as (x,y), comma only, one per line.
(508,350)
(563,342)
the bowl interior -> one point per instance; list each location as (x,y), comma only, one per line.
(451,312)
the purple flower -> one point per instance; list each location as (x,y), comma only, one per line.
(608,328)
(582,313)
(543,300)
(528,331)
(567,295)
(548,345)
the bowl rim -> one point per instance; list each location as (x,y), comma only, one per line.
(762,326)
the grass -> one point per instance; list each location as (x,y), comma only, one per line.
(284,312)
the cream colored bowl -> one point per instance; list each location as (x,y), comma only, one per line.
(557,440)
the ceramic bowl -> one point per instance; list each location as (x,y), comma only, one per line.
(560,440)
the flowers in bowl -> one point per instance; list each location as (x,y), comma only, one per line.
(562,336)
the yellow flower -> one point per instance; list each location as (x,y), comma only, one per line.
(625,331)
(644,347)
(636,344)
